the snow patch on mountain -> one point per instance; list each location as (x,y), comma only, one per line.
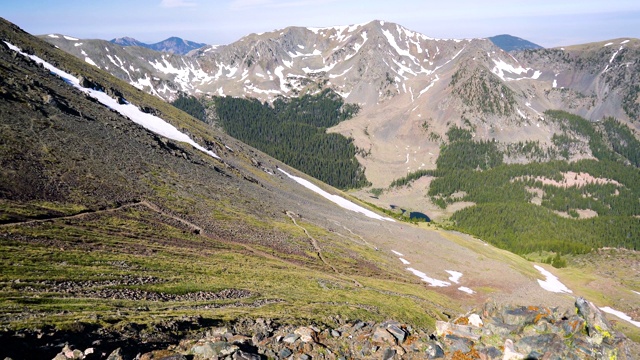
(501,67)
(551,282)
(614,54)
(466,290)
(433,82)
(455,276)
(621,315)
(431,281)
(90,62)
(340,201)
(392,41)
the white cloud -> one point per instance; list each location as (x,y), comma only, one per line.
(177,3)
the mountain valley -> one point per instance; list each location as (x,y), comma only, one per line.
(111,227)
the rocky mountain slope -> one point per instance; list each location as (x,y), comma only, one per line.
(141,224)
(372,63)
(173,45)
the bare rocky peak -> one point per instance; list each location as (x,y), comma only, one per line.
(365,63)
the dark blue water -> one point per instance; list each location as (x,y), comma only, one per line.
(414,215)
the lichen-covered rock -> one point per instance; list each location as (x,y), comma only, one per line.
(67,354)
(306,333)
(208,349)
(116,355)
(598,327)
(162,355)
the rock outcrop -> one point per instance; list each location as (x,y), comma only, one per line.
(492,332)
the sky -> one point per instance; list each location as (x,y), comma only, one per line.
(547,23)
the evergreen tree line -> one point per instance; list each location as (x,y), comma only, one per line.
(505,217)
(191,106)
(467,154)
(526,228)
(294,131)
(322,110)
(508,183)
(608,139)
(622,140)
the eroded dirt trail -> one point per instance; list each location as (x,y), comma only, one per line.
(315,245)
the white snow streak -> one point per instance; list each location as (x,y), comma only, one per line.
(635,292)
(621,315)
(502,67)
(148,121)
(392,42)
(551,283)
(455,276)
(433,82)
(429,280)
(404,261)
(624,42)
(187,75)
(88,60)
(253,88)
(333,76)
(340,201)
(466,289)
(70,38)
(397,253)
(614,54)
(278,72)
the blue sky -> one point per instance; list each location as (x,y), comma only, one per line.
(548,23)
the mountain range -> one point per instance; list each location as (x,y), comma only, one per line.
(410,87)
(125,219)
(173,45)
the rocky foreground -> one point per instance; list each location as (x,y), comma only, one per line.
(493,332)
